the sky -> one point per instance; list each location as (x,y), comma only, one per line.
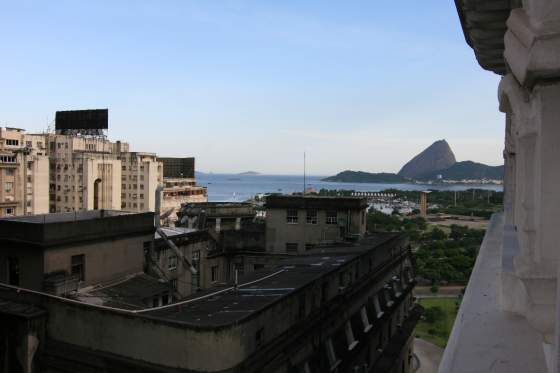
(251,85)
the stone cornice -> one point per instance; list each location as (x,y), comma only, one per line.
(532,54)
(484,26)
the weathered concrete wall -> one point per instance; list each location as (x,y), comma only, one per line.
(104,260)
(30,266)
(279,232)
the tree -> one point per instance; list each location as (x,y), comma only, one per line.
(434,314)
(437,234)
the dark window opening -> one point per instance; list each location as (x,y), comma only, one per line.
(13,271)
(78,266)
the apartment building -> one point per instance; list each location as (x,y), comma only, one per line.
(179,186)
(141,173)
(23,173)
(297,223)
(84,173)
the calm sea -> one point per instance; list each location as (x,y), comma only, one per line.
(236,188)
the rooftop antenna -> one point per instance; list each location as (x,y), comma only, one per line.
(304,181)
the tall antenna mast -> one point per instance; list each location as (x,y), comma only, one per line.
(304,181)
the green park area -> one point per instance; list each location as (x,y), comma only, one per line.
(438,319)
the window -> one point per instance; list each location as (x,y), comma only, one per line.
(311,217)
(142,186)
(256,267)
(332,217)
(291,247)
(173,283)
(12,142)
(259,336)
(196,255)
(8,159)
(13,271)
(172,262)
(292,216)
(309,246)
(214,273)
(78,266)
(8,186)
(9,211)
(10,172)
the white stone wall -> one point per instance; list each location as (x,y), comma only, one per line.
(530,97)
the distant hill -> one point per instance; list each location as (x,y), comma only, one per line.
(437,156)
(365,177)
(466,170)
(248,173)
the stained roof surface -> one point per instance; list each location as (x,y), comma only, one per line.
(292,274)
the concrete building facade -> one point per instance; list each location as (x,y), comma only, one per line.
(90,173)
(295,224)
(23,173)
(348,311)
(63,252)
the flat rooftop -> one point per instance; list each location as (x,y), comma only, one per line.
(261,289)
(314,201)
(53,229)
(127,293)
(63,217)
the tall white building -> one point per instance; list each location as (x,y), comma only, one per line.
(24,172)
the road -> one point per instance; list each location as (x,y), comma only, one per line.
(443,292)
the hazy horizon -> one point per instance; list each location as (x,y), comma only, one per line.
(249,86)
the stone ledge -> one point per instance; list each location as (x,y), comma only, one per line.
(485,338)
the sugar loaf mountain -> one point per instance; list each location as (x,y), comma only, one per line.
(436,163)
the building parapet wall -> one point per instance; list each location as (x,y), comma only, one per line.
(53,229)
(485,337)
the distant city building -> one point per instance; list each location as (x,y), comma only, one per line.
(217,216)
(77,168)
(179,191)
(24,173)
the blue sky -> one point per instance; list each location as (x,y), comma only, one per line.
(249,85)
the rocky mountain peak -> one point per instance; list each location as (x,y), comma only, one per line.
(435,157)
